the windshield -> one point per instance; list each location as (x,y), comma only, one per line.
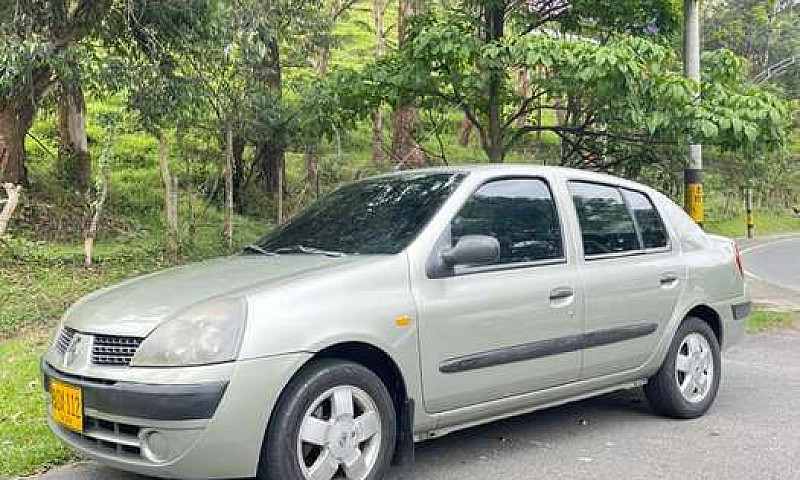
(374,216)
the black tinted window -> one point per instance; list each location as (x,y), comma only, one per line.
(519,213)
(606,224)
(654,235)
(378,215)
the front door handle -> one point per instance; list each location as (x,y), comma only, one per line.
(560,293)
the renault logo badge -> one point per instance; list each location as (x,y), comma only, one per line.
(74,349)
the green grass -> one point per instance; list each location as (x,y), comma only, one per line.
(767,223)
(761,321)
(26,443)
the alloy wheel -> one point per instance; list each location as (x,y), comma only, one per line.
(694,368)
(340,436)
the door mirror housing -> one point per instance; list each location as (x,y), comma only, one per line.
(473,250)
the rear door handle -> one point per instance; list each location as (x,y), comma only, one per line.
(668,279)
(560,293)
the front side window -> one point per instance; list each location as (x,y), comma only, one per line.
(654,234)
(606,224)
(375,216)
(519,213)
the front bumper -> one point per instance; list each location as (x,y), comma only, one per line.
(191,429)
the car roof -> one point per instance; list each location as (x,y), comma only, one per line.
(509,169)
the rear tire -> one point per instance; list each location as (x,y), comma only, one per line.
(335,419)
(688,380)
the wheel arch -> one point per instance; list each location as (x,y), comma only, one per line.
(372,357)
(710,316)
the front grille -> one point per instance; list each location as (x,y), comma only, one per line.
(113,350)
(64,337)
(111,437)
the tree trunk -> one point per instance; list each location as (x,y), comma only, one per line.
(170,199)
(311,149)
(238,172)
(495,20)
(403,148)
(88,243)
(14,125)
(321,60)
(523,88)
(13,193)
(228,171)
(271,155)
(312,168)
(74,167)
(466,131)
(378,147)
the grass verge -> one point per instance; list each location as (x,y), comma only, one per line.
(761,321)
(26,443)
(766,223)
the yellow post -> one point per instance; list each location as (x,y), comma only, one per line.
(748,205)
(694,196)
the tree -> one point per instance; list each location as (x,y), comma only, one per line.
(34,43)
(763,32)
(281,31)
(105,161)
(378,14)
(404,149)
(334,12)
(148,71)
(616,97)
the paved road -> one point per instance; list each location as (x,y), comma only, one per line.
(751,432)
(773,268)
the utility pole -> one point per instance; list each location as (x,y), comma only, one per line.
(693,201)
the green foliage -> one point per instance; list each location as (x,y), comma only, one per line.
(627,91)
(763,32)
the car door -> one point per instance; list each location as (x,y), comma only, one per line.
(632,277)
(493,331)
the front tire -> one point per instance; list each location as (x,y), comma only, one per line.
(335,419)
(688,380)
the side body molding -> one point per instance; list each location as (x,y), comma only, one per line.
(544,348)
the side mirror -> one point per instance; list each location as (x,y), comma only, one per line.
(473,250)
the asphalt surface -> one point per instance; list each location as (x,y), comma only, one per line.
(773,271)
(752,431)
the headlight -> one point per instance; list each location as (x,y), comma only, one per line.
(210,332)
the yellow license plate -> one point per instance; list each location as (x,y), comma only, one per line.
(67,405)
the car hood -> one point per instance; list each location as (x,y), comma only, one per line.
(135,307)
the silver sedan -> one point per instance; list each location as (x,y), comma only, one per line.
(396,309)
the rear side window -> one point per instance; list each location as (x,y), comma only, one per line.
(519,213)
(654,235)
(606,223)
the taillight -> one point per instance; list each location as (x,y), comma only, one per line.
(739,263)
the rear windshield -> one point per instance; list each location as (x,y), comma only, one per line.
(373,216)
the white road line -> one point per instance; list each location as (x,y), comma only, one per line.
(759,246)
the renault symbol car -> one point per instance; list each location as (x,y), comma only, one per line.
(397,309)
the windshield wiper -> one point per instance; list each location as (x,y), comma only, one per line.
(309,251)
(255,248)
